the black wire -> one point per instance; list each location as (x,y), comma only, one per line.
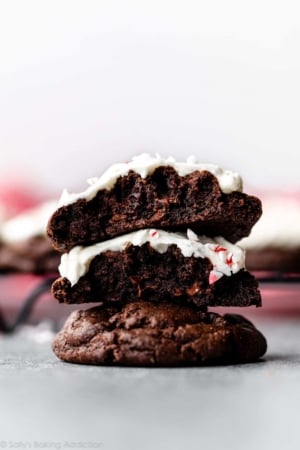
(3,325)
(27,306)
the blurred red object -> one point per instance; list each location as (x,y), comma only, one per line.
(17,196)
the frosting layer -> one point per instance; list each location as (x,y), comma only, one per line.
(145,165)
(225,257)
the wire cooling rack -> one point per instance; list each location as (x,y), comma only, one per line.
(26,305)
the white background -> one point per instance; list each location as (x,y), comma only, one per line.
(84,84)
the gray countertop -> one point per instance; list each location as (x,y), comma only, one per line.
(49,404)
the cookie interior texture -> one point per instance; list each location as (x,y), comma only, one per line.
(145,334)
(143,273)
(163,199)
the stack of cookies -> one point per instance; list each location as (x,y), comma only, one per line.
(152,243)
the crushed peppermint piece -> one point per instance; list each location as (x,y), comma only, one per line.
(93,180)
(154,234)
(220,249)
(192,236)
(229,259)
(214,276)
(191,160)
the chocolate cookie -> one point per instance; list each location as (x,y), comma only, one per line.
(33,255)
(162,199)
(141,272)
(274,242)
(24,245)
(279,261)
(143,334)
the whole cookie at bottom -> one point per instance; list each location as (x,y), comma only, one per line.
(143,334)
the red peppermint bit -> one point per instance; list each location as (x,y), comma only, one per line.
(154,233)
(229,260)
(220,249)
(213,277)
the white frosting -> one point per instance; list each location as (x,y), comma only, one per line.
(145,165)
(225,257)
(279,225)
(30,223)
